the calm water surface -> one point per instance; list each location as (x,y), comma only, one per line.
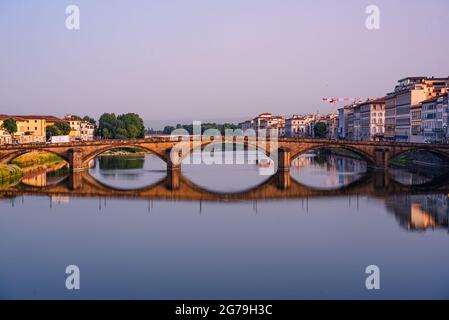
(286,248)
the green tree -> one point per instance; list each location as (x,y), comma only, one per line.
(168,130)
(121,134)
(133,124)
(10,126)
(107,125)
(64,127)
(125,126)
(320,130)
(52,131)
(105,133)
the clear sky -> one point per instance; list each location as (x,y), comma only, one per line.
(210,59)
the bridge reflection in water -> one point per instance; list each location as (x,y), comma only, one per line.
(416,207)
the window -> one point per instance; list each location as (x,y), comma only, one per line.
(403,122)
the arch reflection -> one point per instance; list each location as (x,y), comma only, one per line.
(414,208)
(326,169)
(230,171)
(419,168)
(128,172)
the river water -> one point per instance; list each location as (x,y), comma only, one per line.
(228,232)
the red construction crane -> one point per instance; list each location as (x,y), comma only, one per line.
(336,100)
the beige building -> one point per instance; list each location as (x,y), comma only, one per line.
(80,129)
(266,121)
(87,131)
(30,129)
(295,126)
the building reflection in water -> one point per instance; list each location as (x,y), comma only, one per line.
(420,212)
(333,171)
(408,177)
(46,177)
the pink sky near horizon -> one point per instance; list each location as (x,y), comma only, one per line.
(203,59)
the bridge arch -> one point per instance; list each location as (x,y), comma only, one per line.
(8,158)
(434,151)
(246,143)
(361,153)
(90,156)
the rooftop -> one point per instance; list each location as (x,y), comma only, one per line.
(30,117)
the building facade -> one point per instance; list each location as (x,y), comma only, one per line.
(332,126)
(80,129)
(411,92)
(267,123)
(296,126)
(435,119)
(30,129)
(416,134)
(390,116)
(372,120)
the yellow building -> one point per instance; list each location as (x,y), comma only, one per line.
(30,128)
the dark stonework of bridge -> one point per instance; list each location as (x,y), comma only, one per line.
(175,187)
(173,150)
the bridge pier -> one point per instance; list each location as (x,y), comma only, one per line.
(381,156)
(173,179)
(173,158)
(381,180)
(75,157)
(76,181)
(284,159)
(283,180)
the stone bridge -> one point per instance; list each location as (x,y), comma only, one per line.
(173,149)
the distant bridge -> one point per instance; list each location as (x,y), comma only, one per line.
(79,154)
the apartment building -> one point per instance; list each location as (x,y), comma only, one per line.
(356,121)
(296,126)
(332,125)
(372,119)
(435,119)
(416,134)
(87,131)
(390,116)
(30,129)
(343,119)
(267,122)
(350,124)
(410,92)
(80,129)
